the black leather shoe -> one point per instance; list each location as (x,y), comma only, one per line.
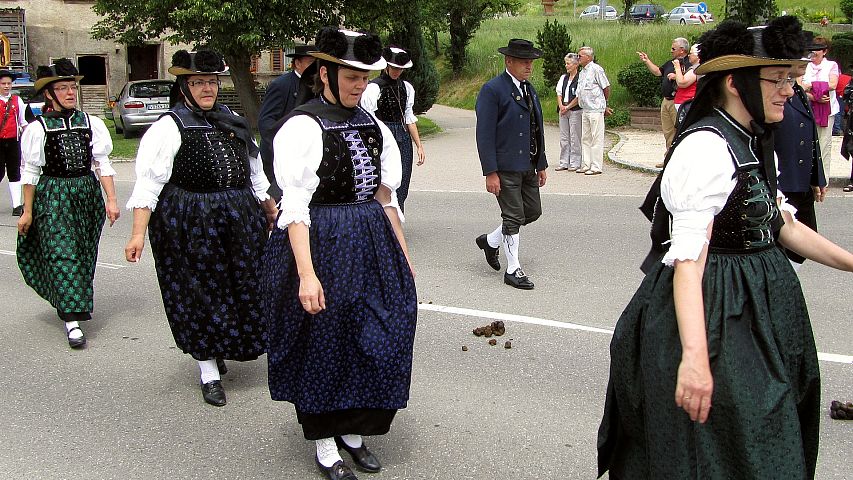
(220,364)
(76,342)
(362,457)
(18,211)
(213,393)
(518,279)
(338,471)
(490,251)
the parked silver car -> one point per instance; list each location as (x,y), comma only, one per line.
(687,14)
(140,103)
(593,12)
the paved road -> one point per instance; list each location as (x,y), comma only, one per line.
(128,407)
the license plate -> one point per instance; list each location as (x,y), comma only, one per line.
(158,106)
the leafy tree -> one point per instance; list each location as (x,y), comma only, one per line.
(237,28)
(423,76)
(847,9)
(462,19)
(555,42)
(751,12)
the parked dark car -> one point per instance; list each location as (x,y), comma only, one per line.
(644,12)
(139,104)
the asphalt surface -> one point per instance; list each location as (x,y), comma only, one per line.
(129,405)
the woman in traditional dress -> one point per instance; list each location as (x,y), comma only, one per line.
(570,116)
(391,100)
(339,289)
(201,189)
(714,371)
(63,208)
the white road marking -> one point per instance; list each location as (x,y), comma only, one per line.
(558,194)
(508,317)
(109,266)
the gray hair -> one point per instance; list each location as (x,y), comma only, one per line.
(572,57)
(588,51)
(683,43)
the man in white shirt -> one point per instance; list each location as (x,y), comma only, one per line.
(593,92)
(12,121)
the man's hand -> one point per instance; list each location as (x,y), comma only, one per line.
(543,176)
(493,183)
(643,56)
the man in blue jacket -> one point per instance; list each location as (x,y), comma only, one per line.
(280,99)
(511,146)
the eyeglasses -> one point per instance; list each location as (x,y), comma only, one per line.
(780,82)
(202,83)
(65,88)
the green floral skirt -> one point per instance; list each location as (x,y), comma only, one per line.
(57,256)
(765,416)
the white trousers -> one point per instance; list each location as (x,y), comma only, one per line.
(592,139)
(824,135)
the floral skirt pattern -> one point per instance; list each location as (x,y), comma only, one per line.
(765,412)
(207,249)
(357,353)
(57,256)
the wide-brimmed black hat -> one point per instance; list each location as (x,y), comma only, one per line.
(361,51)
(731,46)
(62,69)
(202,62)
(8,73)
(811,45)
(521,48)
(397,57)
(301,51)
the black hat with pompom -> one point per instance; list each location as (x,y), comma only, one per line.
(62,69)
(397,57)
(202,62)
(732,45)
(360,51)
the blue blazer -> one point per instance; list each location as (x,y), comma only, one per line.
(503,128)
(279,100)
(798,148)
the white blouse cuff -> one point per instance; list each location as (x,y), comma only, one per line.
(145,194)
(784,206)
(104,167)
(411,118)
(292,214)
(396,205)
(689,235)
(30,178)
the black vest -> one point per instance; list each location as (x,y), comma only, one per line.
(67,145)
(391,106)
(350,169)
(210,159)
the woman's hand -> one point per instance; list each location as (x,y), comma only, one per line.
(421,155)
(133,249)
(694,387)
(270,212)
(113,211)
(311,294)
(25,222)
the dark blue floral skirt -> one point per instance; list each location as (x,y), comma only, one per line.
(207,250)
(357,353)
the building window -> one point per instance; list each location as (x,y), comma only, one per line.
(277,60)
(253,66)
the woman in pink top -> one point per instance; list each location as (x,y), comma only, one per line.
(821,69)
(686,80)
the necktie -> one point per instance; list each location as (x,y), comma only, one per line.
(534,123)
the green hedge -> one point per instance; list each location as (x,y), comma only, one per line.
(641,84)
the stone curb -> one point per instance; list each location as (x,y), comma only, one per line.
(611,155)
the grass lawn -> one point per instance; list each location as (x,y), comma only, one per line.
(427,127)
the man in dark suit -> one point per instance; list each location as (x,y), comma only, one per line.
(280,99)
(801,175)
(511,146)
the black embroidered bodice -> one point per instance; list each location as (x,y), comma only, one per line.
(391,106)
(350,169)
(67,144)
(209,159)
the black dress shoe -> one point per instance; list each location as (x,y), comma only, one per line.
(518,279)
(490,251)
(76,342)
(220,364)
(338,471)
(362,457)
(18,211)
(213,393)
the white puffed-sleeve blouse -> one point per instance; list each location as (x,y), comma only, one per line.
(695,186)
(32,150)
(370,101)
(298,148)
(156,156)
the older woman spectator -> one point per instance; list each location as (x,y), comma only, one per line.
(570,116)
(820,82)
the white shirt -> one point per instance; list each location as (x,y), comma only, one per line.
(32,150)
(298,148)
(695,187)
(156,156)
(22,120)
(591,84)
(821,73)
(370,101)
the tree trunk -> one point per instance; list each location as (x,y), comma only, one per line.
(458,40)
(239,66)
